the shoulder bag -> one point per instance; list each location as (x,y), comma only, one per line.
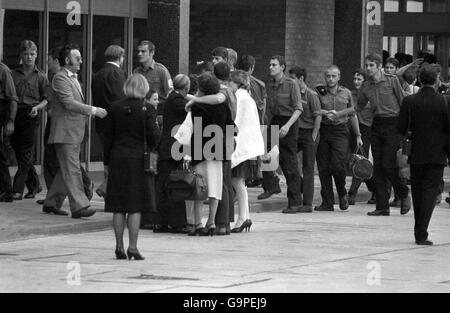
(185,184)
(150,157)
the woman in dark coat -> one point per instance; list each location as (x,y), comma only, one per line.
(130,190)
(170,213)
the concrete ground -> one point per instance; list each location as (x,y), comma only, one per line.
(318,252)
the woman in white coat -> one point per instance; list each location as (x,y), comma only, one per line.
(249,146)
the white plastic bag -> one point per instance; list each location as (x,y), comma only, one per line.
(184,134)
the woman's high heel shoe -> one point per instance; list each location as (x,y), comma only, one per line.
(120,254)
(136,255)
(208,231)
(196,231)
(244,226)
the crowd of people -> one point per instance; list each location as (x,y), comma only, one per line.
(319,125)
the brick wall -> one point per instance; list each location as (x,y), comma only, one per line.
(164,23)
(376,34)
(247,26)
(310,36)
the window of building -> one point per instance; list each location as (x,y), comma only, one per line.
(391,6)
(20,25)
(415,6)
(439,6)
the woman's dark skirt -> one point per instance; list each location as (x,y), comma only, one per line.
(130,190)
(248,170)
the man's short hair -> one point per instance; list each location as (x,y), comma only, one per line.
(361,72)
(65,53)
(27,45)
(54,52)
(374,57)
(333,68)
(220,52)
(246,62)
(298,72)
(114,53)
(136,87)
(428,74)
(393,61)
(208,84)
(280,59)
(410,75)
(222,71)
(203,66)
(149,44)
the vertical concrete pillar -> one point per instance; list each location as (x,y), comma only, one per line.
(2,18)
(185,12)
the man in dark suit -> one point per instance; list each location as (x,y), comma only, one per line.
(69,127)
(107,85)
(425,114)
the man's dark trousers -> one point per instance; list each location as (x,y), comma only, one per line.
(288,161)
(307,145)
(169,212)
(366,136)
(225,209)
(5,178)
(425,186)
(332,156)
(385,143)
(23,141)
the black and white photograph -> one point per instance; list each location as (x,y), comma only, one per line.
(226,153)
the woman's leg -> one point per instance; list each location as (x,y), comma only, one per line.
(134,221)
(242,196)
(119,226)
(198,206)
(213,204)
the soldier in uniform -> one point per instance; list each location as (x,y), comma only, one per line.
(332,153)
(8,110)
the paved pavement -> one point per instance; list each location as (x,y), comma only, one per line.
(319,252)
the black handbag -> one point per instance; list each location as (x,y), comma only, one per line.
(360,166)
(150,157)
(185,184)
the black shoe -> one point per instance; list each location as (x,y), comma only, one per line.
(343,203)
(179,230)
(351,199)
(424,243)
(209,230)
(48,210)
(83,213)
(196,231)
(147,226)
(324,208)
(396,203)
(32,194)
(373,199)
(159,229)
(136,255)
(6,198)
(291,209)
(305,209)
(405,205)
(40,202)
(267,194)
(120,254)
(379,213)
(245,226)
(17,196)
